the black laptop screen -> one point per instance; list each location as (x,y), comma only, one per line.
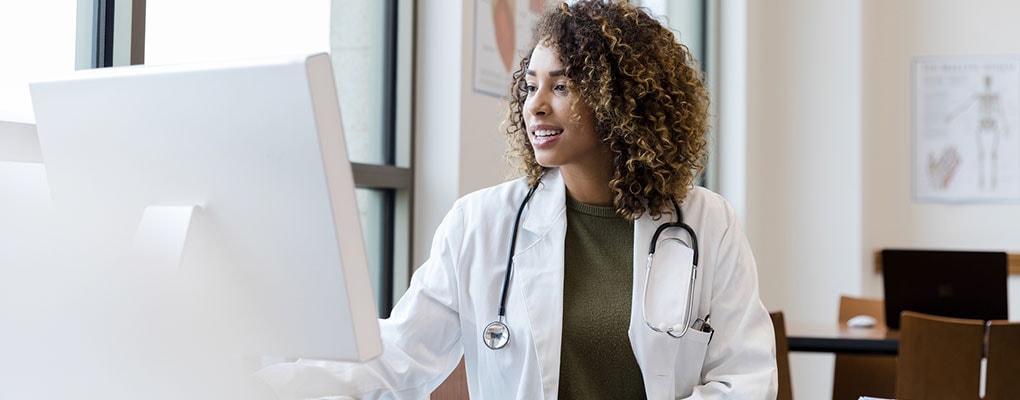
(960,284)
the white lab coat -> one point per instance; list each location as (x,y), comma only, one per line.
(455,294)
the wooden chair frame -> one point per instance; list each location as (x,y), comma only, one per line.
(855,375)
(939,357)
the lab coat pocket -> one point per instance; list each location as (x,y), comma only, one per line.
(690,359)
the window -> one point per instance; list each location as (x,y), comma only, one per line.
(39,41)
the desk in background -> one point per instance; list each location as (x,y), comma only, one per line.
(838,338)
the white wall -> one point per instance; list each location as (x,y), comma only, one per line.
(803,187)
(458,145)
(803,157)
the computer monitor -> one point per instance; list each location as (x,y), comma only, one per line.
(950,283)
(206,220)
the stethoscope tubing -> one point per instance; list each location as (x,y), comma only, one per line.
(503,331)
(691,282)
(510,256)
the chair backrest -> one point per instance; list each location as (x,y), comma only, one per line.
(1003,373)
(454,387)
(782,356)
(855,375)
(939,357)
(850,307)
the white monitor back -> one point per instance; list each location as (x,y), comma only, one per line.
(207,218)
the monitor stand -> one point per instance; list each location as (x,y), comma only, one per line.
(159,241)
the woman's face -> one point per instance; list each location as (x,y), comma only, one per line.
(558,140)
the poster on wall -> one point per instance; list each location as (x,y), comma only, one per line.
(502,31)
(966,129)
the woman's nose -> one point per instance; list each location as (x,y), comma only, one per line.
(537,104)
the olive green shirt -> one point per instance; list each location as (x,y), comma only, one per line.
(597,361)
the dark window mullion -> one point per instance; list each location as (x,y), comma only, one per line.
(395,175)
(103,33)
(387,233)
(389,122)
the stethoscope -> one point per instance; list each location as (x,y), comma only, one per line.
(496,334)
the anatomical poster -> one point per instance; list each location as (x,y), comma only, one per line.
(966,129)
(502,33)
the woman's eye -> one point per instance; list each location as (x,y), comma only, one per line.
(560,88)
(530,88)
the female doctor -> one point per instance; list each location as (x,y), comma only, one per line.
(547,285)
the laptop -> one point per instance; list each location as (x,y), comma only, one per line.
(960,284)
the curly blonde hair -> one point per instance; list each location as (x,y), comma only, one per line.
(647,94)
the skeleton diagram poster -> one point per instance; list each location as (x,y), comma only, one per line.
(966,129)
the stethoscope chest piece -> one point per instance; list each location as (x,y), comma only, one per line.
(496,335)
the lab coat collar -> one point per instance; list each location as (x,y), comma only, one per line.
(547,205)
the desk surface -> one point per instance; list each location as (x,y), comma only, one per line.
(838,338)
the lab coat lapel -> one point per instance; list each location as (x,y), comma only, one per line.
(655,352)
(538,274)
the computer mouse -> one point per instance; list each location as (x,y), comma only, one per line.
(861,321)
